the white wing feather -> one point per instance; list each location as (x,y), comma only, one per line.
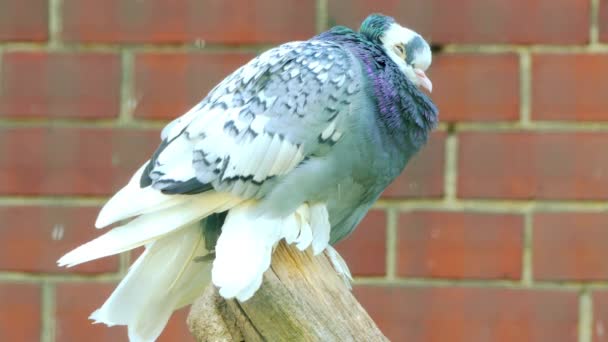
(132,201)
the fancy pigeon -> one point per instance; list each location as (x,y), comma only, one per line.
(297,145)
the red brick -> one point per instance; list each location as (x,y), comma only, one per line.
(169,21)
(20,314)
(168,84)
(521,165)
(603,20)
(423,175)
(73,85)
(177,328)
(571,246)
(476,87)
(459,245)
(71,161)
(369,236)
(471,314)
(600,315)
(24,20)
(47,233)
(569,87)
(76,301)
(477,21)
(74,304)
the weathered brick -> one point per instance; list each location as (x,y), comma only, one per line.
(76,301)
(471,314)
(423,175)
(476,87)
(570,246)
(169,21)
(459,245)
(569,87)
(477,21)
(369,236)
(522,165)
(71,161)
(23,20)
(73,85)
(168,84)
(20,314)
(33,238)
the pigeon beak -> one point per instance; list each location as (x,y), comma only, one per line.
(423,80)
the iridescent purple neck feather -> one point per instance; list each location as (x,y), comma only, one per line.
(404,110)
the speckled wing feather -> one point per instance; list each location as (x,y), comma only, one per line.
(259,123)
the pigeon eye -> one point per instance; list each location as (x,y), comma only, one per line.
(400,50)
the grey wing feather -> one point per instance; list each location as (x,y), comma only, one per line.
(260,123)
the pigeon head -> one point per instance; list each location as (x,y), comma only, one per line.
(404,47)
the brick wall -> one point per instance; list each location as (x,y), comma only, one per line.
(497,231)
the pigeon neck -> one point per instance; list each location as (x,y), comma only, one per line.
(405,111)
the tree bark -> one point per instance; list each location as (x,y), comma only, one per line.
(302,298)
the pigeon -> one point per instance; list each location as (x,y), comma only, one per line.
(295,145)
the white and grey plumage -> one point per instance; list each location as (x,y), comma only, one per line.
(296,145)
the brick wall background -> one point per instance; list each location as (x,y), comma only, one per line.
(496,232)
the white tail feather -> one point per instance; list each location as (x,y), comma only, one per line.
(244,248)
(339,265)
(164,278)
(148,227)
(319,221)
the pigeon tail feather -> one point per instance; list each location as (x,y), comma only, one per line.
(244,249)
(148,227)
(163,279)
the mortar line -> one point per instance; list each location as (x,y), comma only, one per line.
(51,201)
(55,24)
(127,100)
(492,206)
(47,312)
(525,87)
(450,176)
(1,68)
(124,263)
(321,15)
(527,252)
(594,20)
(585,316)
(36,278)
(82,123)
(476,283)
(112,278)
(536,126)
(515,48)
(391,243)
(472,205)
(58,45)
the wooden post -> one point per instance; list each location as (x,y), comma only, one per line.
(302,298)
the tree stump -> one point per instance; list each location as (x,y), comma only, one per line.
(302,298)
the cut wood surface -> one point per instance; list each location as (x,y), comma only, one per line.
(302,298)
